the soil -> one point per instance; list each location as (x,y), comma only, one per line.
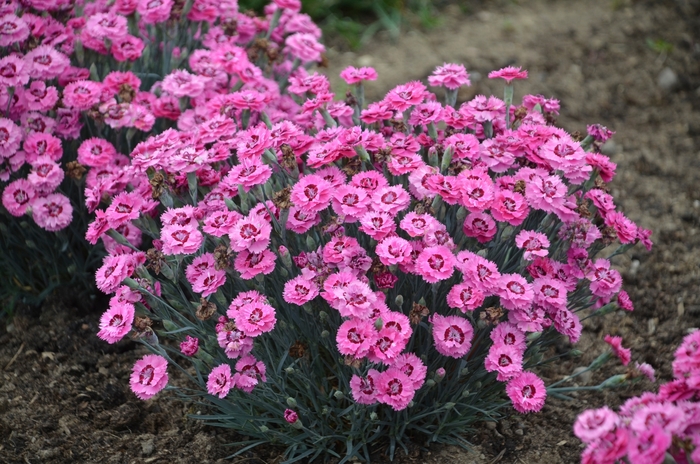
(633,66)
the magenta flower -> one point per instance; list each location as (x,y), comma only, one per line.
(355,337)
(250,373)
(14,71)
(595,423)
(304,47)
(181,239)
(189,346)
(96,152)
(435,263)
(353,75)
(251,264)
(149,376)
(465,297)
(509,73)
(534,244)
(364,389)
(45,62)
(82,95)
(256,318)
(219,382)
(452,335)
(46,175)
(311,193)
(504,359)
(625,354)
(10,137)
(506,333)
(290,416)
(154,11)
(52,212)
(404,96)
(251,233)
(527,392)
(413,367)
(116,322)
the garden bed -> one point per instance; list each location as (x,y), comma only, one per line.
(632,66)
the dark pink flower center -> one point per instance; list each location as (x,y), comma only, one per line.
(54,209)
(509,339)
(44,60)
(8,71)
(549,291)
(394,387)
(389,198)
(454,334)
(43,170)
(367,386)
(516,288)
(354,336)
(255,316)
(311,191)
(180,236)
(249,231)
(20,197)
(116,321)
(504,360)
(528,391)
(436,262)
(146,375)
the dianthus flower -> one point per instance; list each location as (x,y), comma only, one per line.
(568,323)
(481,272)
(605,282)
(127,48)
(299,291)
(250,373)
(14,71)
(451,75)
(549,293)
(12,30)
(452,335)
(508,334)
(377,225)
(219,381)
(390,200)
(291,416)
(395,389)
(189,346)
(181,83)
(388,343)
(413,367)
(595,423)
(312,193)
(402,97)
(534,244)
(178,240)
(46,175)
(256,318)
(528,320)
(333,250)
(599,133)
(305,47)
(45,62)
(393,250)
(82,95)
(149,376)
(615,343)
(96,152)
(649,446)
(116,322)
(353,75)
(154,11)
(234,342)
(10,137)
(52,212)
(17,196)
(364,389)
(515,292)
(251,264)
(625,229)
(480,226)
(355,337)
(356,299)
(125,207)
(509,73)
(506,360)
(527,392)
(465,296)
(435,263)
(251,233)
(509,207)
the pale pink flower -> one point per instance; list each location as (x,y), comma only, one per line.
(534,244)
(364,389)
(154,11)
(353,75)
(508,334)
(649,446)
(149,376)
(116,322)
(452,335)
(435,263)
(395,388)
(17,196)
(181,83)
(527,392)
(14,71)
(593,424)
(304,47)
(300,291)
(355,299)
(355,337)
(219,381)
(449,75)
(480,226)
(179,240)
(45,62)
(82,95)
(251,233)
(416,225)
(96,152)
(515,292)
(10,137)
(234,342)
(509,73)
(52,212)
(12,30)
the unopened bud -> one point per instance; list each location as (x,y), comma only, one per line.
(449,405)
(307,308)
(439,374)
(430,383)
(531,337)
(310,243)
(339,395)
(322,315)
(465,393)
(614,381)
(263,429)
(325,334)
(464,371)
(461,215)
(600,360)
(291,402)
(399,301)
(289,370)
(575,353)
(169,325)
(373,416)
(378,324)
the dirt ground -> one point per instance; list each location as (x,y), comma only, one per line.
(633,66)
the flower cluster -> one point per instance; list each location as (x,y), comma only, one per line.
(648,427)
(325,255)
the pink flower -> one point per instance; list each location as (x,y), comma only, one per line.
(404,96)
(477,194)
(435,263)
(10,137)
(615,343)
(181,83)
(250,372)
(333,250)
(395,389)
(415,225)
(256,318)
(377,225)
(178,240)
(12,30)
(534,244)
(154,11)
(82,95)
(45,62)
(508,334)
(509,73)
(595,423)
(506,360)
(647,370)
(40,97)
(527,392)
(515,292)
(52,212)
(465,296)
(394,250)
(17,196)
(300,291)
(304,47)
(480,226)
(480,271)
(220,223)
(251,233)
(116,322)
(189,346)
(626,230)
(96,152)
(311,193)
(14,71)
(624,301)
(391,200)
(251,264)
(355,299)
(509,207)
(149,376)
(355,337)
(649,446)
(549,293)
(234,342)
(127,48)
(404,163)
(452,335)
(451,75)
(413,367)
(599,133)
(249,173)
(290,416)
(605,282)
(568,323)
(219,381)
(46,175)
(364,389)
(117,268)
(203,275)
(353,75)
(602,163)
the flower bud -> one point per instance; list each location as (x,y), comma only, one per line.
(230,204)
(339,395)
(614,381)
(430,383)
(464,371)
(378,324)
(575,353)
(285,255)
(600,360)
(449,405)
(291,402)
(531,337)
(324,411)
(169,326)
(322,315)
(289,370)
(310,243)
(439,374)
(373,416)
(411,404)
(398,300)
(263,429)
(325,334)
(307,309)
(465,393)
(461,215)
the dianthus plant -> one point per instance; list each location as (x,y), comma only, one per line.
(336,276)
(652,428)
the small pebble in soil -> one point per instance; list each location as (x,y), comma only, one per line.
(667,80)
(584,378)
(147,446)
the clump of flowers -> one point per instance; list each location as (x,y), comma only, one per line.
(654,427)
(340,276)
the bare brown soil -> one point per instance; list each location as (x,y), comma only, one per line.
(633,66)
